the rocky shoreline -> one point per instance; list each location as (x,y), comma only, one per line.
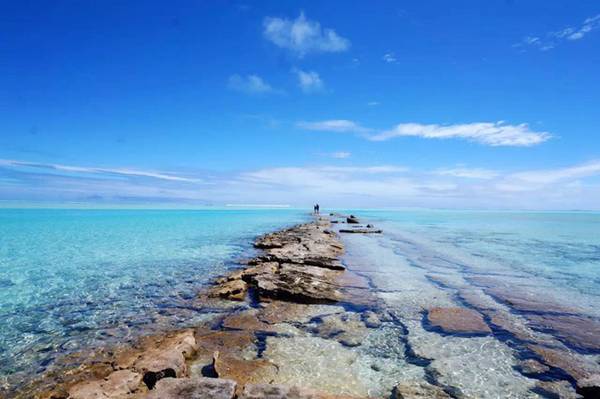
(297,271)
(306,319)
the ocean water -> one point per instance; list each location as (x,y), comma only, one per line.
(558,248)
(72,279)
(428,259)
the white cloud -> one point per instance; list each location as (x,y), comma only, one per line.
(570,187)
(252,84)
(373,103)
(334,125)
(487,133)
(551,39)
(389,57)
(341,154)
(96,170)
(467,173)
(309,81)
(302,36)
(550,176)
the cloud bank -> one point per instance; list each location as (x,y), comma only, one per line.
(569,187)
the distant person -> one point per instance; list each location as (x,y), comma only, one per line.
(317,209)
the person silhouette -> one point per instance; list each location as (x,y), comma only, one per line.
(317,209)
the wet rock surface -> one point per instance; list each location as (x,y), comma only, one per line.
(193,388)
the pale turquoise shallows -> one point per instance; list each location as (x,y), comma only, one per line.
(70,279)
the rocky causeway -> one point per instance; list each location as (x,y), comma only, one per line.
(321,312)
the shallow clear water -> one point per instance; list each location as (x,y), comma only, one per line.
(560,247)
(75,278)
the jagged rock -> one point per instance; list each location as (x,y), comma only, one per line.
(458,321)
(167,359)
(196,388)
(419,390)
(234,289)
(308,284)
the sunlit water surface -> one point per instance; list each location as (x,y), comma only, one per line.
(71,279)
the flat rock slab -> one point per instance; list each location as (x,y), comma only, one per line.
(193,388)
(458,321)
(577,331)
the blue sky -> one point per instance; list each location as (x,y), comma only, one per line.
(389,104)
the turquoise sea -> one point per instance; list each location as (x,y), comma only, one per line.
(73,279)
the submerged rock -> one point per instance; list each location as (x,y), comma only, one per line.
(268,391)
(193,388)
(532,366)
(458,321)
(419,390)
(347,328)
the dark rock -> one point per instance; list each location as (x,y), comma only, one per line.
(361,231)
(352,220)
(589,387)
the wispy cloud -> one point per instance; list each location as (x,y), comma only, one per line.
(467,173)
(252,84)
(489,133)
(569,187)
(550,176)
(309,81)
(486,133)
(302,36)
(552,39)
(341,154)
(97,171)
(389,57)
(373,103)
(334,125)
